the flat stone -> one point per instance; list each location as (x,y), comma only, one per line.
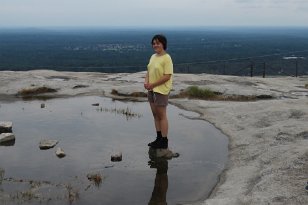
(60,153)
(109,166)
(6,137)
(47,144)
(8,143)
(162,153)
(5,127)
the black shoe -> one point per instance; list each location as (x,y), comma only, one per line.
(162,143)
(151,144)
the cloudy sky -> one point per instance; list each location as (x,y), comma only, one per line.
(153,13)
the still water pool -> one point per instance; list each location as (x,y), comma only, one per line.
(89,135)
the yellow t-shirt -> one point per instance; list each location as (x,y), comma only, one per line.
(157,67)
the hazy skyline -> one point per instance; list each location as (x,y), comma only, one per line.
(150,13)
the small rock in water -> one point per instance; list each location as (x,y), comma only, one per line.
(60,153)
(116,157)
(95,104)
(43,105)
(8,143)
(6,127)
(47,144)
(164,153)
(109,166)
(6,137)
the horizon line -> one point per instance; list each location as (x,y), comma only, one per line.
(152,27)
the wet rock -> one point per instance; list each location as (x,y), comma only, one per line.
(5,127)
(60,153)
(8,143)
(116,157)
(6,137)
(95,104)
(43,105)
(47,144)
(162,153)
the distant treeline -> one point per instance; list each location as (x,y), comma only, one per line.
(209,50)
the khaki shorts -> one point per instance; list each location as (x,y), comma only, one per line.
(158,99)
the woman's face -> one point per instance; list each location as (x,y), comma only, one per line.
(157,46)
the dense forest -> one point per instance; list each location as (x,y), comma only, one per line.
(233,51)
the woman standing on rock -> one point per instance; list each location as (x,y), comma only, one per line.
(158,82)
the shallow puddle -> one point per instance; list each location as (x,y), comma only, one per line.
(89,135)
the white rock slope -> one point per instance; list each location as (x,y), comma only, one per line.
(268,148)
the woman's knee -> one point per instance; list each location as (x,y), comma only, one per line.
(161,114)
(156,117)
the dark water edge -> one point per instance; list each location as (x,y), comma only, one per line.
(90,135)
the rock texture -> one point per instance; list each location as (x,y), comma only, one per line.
(268,155)
(6,127)
(162,153)
(47,144)
(60,153)
(6,137)
(116,157)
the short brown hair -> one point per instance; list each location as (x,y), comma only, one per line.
(161,38)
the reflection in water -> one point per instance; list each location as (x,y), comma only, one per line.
(159,193)
(89,136)
(1,175)
(8,143)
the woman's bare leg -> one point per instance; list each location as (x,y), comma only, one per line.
(156,119)
(161,112)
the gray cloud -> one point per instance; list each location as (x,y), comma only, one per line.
(152,12)
(273,3)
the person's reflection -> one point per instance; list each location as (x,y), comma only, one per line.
(159,193)
(1,176)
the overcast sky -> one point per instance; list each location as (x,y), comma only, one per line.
(152,13)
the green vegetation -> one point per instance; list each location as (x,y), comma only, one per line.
(207,94)
(201,93)
(306,86)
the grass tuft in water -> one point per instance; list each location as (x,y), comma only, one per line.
(121,111)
